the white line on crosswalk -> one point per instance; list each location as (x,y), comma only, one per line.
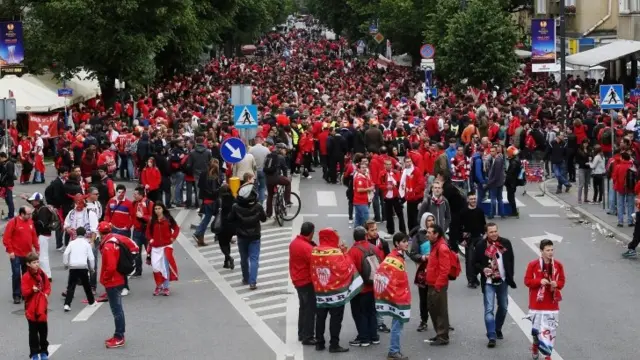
(262,268)
(270,307)
(263,291)
(338,215)
(275,260)
(544,215)
(267,299)
(309,215)
(282,229)
(265,283)
(86,313)
(273,316)
(53,348)
(275,235)
(326,198)
(278,240)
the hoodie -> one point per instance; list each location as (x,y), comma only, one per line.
(439,208)
(420,245)
(199,160)
(477,166)
(247,214)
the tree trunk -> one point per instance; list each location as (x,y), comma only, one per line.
(108,89)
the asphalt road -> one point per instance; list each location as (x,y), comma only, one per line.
(210,314)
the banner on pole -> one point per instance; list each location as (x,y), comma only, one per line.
(11,47)
(47,124)
(543,45)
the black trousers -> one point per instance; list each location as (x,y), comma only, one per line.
(598,187)
(391,206)
(412,213)
(75,276)
(38,343)
(332,171)
(470,270)
(224,241)
(424,304)
(511,198)
(335,325)
(307,312)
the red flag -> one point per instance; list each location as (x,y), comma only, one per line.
(10,94)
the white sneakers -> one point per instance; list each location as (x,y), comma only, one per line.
(67,308)
(125,292)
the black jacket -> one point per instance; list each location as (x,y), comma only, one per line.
(246,215)
(54,193)
(208,187)
(481,261)
(41,220)
(71,188)
(226,204)
(7,174)
(281,167)
(513,171)
(558,152)
(336,147)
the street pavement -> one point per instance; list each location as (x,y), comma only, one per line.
(210,314)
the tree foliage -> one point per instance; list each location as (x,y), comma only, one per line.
(479,45)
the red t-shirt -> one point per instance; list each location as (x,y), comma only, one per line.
(361,181)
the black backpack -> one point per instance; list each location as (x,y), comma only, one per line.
(53,220)
(369,265)
(270,164)
(631,177)
(126,260)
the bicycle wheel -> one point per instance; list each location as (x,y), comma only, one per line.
(290,212)
(277,209)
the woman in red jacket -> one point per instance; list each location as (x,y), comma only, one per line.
(151,178)
(36,289)
(412,186)
(306,149)
(162,233)
(545,279)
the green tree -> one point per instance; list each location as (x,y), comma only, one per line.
(437,22)
(479,45)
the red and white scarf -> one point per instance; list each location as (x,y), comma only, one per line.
(556,295)
(493,249)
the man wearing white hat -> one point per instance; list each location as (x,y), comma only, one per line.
(45,220)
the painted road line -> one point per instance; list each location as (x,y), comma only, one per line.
(277,240)
(294,348)
(338,215)
(262,268)
(543,199)
(524,324)
(86,313)
(251,293)
(284,234)
(270,338)
(326,198)
(264,283)
(309,215)
(269,299)
(274,274)
(274,316)
(269,307)
(544,215)
(262,255)
(266,231)
(53,348)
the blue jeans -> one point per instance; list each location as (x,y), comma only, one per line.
(114,294)
(192,188)
(261,186)
(612,199)
(38,176)
(628,201)
(178,182)
(18,267)
(10,206)
(492,293)
(396,331)
(209,210)
(141,240)
(249,256)
(558,171)
(496,196)
(93,276)
(123,232)
(362,215)
(480,192)
(126,164)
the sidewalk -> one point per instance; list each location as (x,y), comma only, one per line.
(594,212)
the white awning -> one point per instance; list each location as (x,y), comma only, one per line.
(602,54)
(523,54)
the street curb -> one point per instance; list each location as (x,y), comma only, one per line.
(594,219)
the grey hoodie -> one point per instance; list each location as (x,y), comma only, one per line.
(199,160)
(441,212)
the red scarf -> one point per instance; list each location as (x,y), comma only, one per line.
(493,249)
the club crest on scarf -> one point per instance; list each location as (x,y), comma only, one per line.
(380,283)
(323,275)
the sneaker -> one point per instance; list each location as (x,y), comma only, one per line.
(166,292)
(376,341)
(157,291)
(67,308)
(397,356)
(499,335)
(253,287)
(439,342)
(383,328)
(337,349)
(620,225)
(61,248)
(632,224)
(630,253)
(102,298)
(44,356)
(359,343)
(350,221)
(17,300)
(422,327)
(492,343)
(125,292)
(114,342)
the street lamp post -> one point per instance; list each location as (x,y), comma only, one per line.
(563,63)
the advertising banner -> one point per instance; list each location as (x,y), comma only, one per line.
(543,45)
(11,48)
(47,124)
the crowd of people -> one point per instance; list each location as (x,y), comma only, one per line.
(366,125)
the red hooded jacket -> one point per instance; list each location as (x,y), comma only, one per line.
(162,233)
(439,265)
(110,252)
(151,176)
(35,303)
(20,237)
(300,261)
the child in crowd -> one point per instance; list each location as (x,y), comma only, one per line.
(36,290)
(79,259)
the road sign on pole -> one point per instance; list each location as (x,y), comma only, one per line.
(233,150)
(65,92)
(427,51)
(611,96)
(379,38)
(245,116)
(427,65)
(373,29)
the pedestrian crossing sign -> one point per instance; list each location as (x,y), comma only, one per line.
(611,96)
(245,116)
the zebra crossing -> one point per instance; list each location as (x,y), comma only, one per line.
(269,301)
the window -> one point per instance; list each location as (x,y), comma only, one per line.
(570,2)
(541,6)
(634,5)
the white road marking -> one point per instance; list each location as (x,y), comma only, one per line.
(269,307)
(326,198)
(262,268)
(282,230)
(276,240)
(260,327)
(543,200)
(53,348)
(273,274)
(309,215)
(519,203)
(86,313)
(338,215)
(268,299)
(263,291)
(275,260)
(293,347)
(263,251)
(274,316)
(264,283)
(275,235)
(544,215)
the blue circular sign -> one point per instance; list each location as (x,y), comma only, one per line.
(427,51)
(232,150)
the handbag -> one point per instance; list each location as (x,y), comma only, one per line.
(216,225)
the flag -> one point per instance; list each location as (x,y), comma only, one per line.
(10,94)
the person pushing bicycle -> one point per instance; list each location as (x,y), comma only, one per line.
(275,171)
